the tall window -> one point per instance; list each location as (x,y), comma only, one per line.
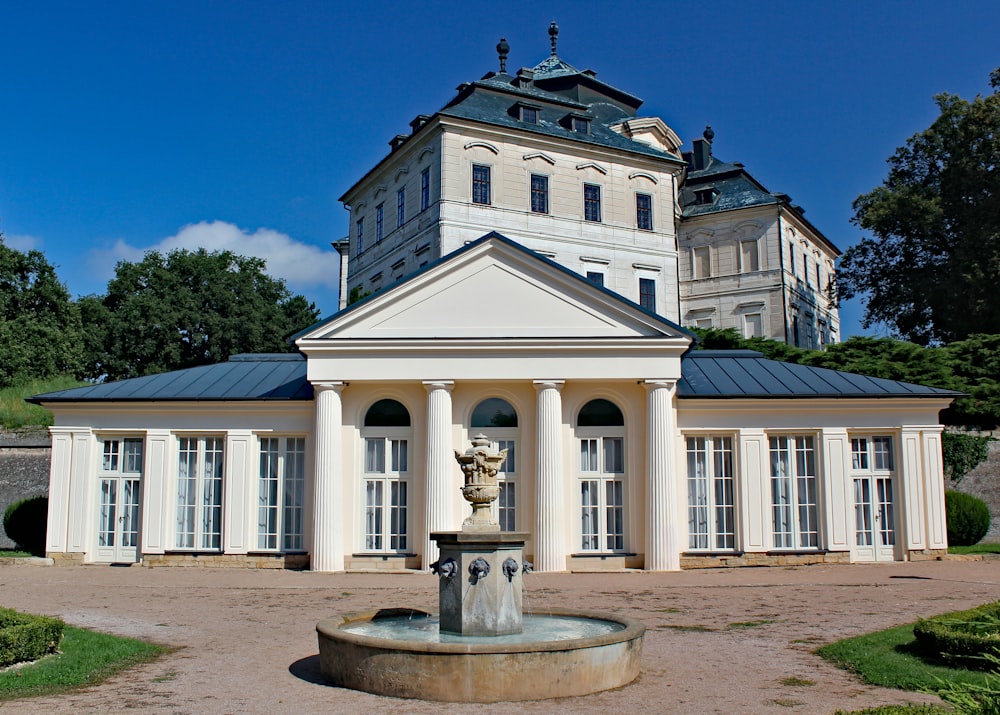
(794,489)
(701,262)
(281,494)
(592,202)
(386,437)
(379,222)
(121,472)
(749,257)
(539,194)
(480,184)
(647,293)
(497,419)
(601,436)
(791,258)
(400,207)
(425,189)
(644,212)
(361,234)
(874,504)
(199,493)
(711,499)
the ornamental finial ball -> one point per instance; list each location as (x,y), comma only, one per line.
(708,133)
(553,35)
(503,49)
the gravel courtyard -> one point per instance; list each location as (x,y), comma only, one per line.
(718,641)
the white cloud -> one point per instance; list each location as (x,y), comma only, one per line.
(304,267)
(22,243)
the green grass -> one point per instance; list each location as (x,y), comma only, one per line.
(911,709)
(888,658)
(15,412)
(86,658)
(14,554)
(975,549)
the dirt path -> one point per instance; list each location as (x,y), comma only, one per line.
(247,643)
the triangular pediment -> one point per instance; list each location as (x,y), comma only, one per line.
(494,288)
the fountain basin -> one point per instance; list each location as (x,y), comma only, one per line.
(483,669)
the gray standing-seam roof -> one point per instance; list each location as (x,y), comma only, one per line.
(732,374)
(258,377)
(722,374)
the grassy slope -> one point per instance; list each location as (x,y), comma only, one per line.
(15,412)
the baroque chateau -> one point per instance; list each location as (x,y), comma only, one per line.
(523,264)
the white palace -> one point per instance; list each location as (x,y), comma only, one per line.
(523,262)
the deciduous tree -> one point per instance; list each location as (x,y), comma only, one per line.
(188,308)
(931,269)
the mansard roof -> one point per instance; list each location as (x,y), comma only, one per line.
(706,374)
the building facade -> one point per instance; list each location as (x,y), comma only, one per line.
(625,449)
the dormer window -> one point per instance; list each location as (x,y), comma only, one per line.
(528,113)
(703,197)
(580,125)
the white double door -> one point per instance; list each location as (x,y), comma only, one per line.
(118,519)
(874,518)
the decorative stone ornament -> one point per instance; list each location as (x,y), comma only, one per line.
(480,467)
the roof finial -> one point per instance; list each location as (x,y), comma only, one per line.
(503,49)
(553,35)
(708,133)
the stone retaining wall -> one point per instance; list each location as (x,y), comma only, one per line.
(24,469)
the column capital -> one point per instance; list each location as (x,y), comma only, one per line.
(430,385)
(548,384)
(666,383)
(323,386)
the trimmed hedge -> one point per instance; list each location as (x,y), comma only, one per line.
(968,518)
(963,637)
(24,637)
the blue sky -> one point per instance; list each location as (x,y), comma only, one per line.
(132,125)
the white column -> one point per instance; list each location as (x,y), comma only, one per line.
(441,467)
(550,503)
(328,476)
(662,514)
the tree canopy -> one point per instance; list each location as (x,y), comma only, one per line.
(930,270)
(40,329)
(188,308)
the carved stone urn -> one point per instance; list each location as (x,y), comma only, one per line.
(480,467)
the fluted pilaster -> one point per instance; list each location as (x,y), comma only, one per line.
(550,502)
(441,468)
(662,548)
(328,498)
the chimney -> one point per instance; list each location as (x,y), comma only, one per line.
(398,141)
(525,78)
(419,121)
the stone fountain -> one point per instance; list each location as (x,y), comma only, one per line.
(482,647)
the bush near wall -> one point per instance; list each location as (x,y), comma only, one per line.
(962,638)
(24,637)
(25,522)
(968,518)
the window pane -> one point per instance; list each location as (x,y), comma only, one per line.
(882,447)
(480,184)
(614,456)
(373,514)
(506,505)
(400,207)
(110,461)
(379,222)
(647,293)
(600,413)
(133,456)
(539,194)
(397,516)
(509,465)
(591,202)
(615,513)
(494,412)
(425,189)
(375,455)
(398,455)
(588,455)
(387,413)
(588,507)
(644,211)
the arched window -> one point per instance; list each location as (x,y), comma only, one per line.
(601,436)
(385,438)
(497,419)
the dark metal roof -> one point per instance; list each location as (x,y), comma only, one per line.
(729,374)
(264,377)
(748,374)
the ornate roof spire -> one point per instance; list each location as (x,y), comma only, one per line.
(553,36)
(503,49)
(709,134)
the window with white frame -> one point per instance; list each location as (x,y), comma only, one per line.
(481,184)
(425,189)
(281,494)
(120,475)
(497,419)
(794,492)
(749,256)
(199,493)
(711,493)
(601,478)
(874,504)
(386,438)
(592,202)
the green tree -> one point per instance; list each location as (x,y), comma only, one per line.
(40,329)
(188,308)
(931,268)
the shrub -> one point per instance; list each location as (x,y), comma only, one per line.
(973,699)
(25,523)
(964,638)
(24,637)
(968,518)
